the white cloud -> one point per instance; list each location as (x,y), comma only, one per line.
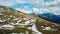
(57,1)
(23,1)
(36,11)
(55,10)
(52,10)
(40,11)
(7,2)
(33,2)
(44,10)
(38,2)
(42,3)
(13,2)
(47,7)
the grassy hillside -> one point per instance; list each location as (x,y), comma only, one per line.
(18,21)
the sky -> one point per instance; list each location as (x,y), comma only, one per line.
(34,6)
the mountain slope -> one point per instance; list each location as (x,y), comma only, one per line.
(14,21)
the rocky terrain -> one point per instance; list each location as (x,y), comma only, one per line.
(16,22)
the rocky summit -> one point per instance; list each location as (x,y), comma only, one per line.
(16,22)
